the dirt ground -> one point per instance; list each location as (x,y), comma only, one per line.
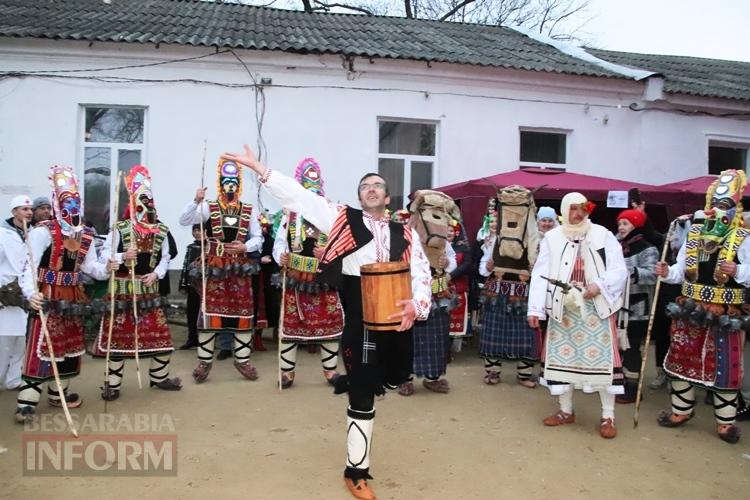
(243,439)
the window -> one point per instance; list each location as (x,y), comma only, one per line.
(723,156)
(112,142)
(543,147)
(406,158)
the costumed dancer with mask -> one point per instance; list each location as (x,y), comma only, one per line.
(460,324)
(640,258)
(233,232)
(579,279)
(312,310)
(373,359)
(711,317)
(62,250)
(140,260)
(429,215)
(13,315)
(505,332)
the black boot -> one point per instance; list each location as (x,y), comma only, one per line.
(631,391)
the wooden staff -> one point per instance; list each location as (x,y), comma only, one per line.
(47,337)
(203,238)
(651,324)
(112,281)
(133,294)
(281,320)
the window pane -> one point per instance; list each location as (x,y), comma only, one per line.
(126,159)
(407,138)
(542,147)
(392,170)
(96,188)
(421,175)
(124,125)
(723,158)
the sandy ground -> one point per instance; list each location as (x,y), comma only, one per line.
(242,439)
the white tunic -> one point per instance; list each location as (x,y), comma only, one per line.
(13,260)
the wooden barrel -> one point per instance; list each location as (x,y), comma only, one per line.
(384,284)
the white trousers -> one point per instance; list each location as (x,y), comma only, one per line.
(12,349)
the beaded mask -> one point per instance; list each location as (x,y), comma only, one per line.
(723,208)
(308,174)
(229,184)
(142,208)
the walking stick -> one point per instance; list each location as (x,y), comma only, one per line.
(113,249)
(135,299)
(651,324)
(47,337)
(281,321)
(203,244)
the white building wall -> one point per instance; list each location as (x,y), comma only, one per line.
(316,107)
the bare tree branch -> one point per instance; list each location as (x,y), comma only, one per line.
(328,6)
(455,9)
(407,9)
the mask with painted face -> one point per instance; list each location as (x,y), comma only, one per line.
(142,208)
(723,208)
(229,184)
(308,174)
(67,206)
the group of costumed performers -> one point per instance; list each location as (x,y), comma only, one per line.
(640,259)
(62,251)
(312,311)
(141,258)
(430,216)
(374,360)
(514,243)
(460,279)
(233,232)
(578,280)
(13,261)
(710,318)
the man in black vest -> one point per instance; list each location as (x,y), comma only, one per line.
(358,237)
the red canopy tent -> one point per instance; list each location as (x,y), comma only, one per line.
(551,185)
(693,192)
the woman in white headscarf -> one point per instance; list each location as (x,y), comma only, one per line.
(546,219)
(579,278)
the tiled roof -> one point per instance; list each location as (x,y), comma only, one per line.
(690,75)
(199,23)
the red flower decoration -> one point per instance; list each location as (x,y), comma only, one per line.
(589,207)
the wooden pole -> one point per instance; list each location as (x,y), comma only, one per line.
(133,295)
(203,239)
(654,302)
(113,250)
(47,337)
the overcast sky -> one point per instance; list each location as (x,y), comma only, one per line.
(718,29)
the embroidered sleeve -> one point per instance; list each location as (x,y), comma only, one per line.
(163,266)
(421,279)
(93,267)
(190,214)
(254,241)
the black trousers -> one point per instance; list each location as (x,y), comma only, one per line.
(193,308)
(389,363)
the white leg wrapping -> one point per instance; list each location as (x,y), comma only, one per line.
(288,356)
(242,347)
(329,355)
(206,341)
(566,401)
(359,425)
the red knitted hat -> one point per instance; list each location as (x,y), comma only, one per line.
(635,217)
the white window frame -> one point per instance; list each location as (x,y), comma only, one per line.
(727,141)
(408,159)
(546,130)
(115,148)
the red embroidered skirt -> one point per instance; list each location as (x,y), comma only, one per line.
(312,317)
(705,356)
(153,332)
(229,299)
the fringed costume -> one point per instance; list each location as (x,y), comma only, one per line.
(312,310)
(229,294)
(711,317)
(137,281)
(63,251)
(578,281)
(506,334)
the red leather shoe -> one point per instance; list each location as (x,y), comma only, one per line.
(359,488)
(607,428)
(559,418)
